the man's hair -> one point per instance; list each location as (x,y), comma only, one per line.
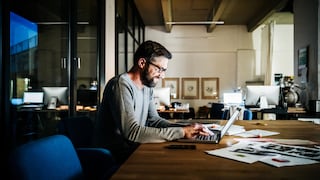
(149,50)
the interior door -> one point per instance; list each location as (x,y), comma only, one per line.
(87,56)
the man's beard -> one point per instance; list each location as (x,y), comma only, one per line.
(146,79)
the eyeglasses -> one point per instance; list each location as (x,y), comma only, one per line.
(160,69)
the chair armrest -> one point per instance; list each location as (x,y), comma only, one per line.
(97,163)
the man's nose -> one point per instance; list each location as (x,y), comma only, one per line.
(162,75)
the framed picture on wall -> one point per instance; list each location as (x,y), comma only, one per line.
(173,83)
(210,88)
(190,88)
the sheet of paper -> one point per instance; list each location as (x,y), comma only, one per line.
(256,133)
(280,141)
(232,153)
(282,160)
(296,151)
(270,153)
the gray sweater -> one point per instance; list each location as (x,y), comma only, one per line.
(127,116)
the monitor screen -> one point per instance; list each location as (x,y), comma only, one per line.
(61,93)
(254,93)
(162,96)
(33,97)
(87,97)
(232,98)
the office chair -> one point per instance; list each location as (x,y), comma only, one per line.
(216,110)
(189,115)
(54,157)
(247,114)
(79,129)
(203,112)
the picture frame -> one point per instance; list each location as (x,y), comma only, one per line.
(173,83)
(190,88)
(210,88)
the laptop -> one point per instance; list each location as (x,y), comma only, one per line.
(32,100)
(216,134)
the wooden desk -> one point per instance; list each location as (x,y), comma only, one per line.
(33,123)
(154,161)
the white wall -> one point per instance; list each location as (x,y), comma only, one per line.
(197,53)
(229,52)
(283,50)
(109,43)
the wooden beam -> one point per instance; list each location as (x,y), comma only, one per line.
(216,13)
(264,15)
(167,13)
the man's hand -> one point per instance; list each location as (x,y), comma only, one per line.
(194,130)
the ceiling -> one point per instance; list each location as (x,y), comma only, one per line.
(251,13)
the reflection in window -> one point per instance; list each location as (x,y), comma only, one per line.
(23,34)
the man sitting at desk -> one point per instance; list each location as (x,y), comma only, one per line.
(127,115)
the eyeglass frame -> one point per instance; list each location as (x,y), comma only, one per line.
(160,69)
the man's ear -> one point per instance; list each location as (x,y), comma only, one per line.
(142,63)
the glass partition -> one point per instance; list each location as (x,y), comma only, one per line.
(53,43)
(130,34)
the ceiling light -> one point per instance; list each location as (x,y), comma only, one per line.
(196,22)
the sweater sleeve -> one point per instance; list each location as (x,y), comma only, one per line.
(135,129)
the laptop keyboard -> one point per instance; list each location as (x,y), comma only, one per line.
(210,138)
(205,138)
(214,138)
(25,106)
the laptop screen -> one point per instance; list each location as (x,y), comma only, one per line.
(231,120)
(33,97)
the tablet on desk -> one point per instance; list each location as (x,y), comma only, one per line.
(181,146)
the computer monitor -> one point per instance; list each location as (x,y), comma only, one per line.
(162,96)
(232,98)
(87,97)
(254,93)
(58,93)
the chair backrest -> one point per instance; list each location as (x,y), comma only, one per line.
(79,129)
(191,114)
(97,163)
(216,110)
(203,112)
(225,114)
(247,114)
(52,157)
